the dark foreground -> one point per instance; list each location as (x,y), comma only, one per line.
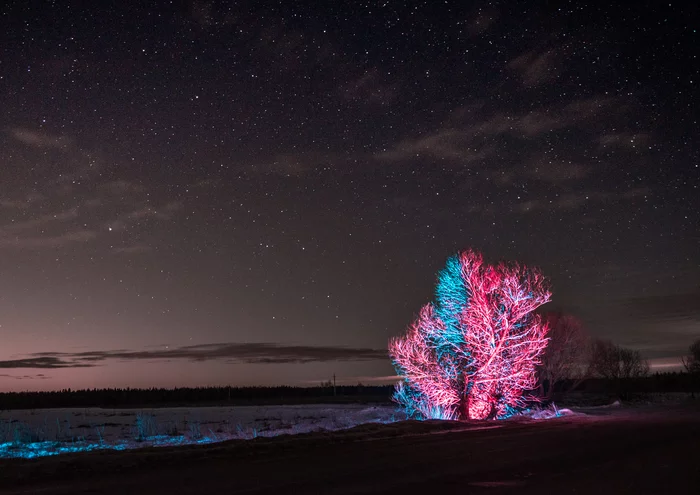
(653,450)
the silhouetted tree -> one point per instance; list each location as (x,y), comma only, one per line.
(567,356)
(617,365)
(692,361)
(692,365)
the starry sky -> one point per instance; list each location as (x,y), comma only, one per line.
(255,193)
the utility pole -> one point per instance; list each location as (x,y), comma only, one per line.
(333,384)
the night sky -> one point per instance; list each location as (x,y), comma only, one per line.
(246,193)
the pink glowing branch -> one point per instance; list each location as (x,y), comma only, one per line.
(486,362)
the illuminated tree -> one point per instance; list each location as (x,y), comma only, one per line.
(473,352)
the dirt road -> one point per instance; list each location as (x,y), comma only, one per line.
(639,451)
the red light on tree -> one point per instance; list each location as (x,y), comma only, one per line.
(473,352)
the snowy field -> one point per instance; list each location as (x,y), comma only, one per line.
(42,432)
(46,432)
(613,449)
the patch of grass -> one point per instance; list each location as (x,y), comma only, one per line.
(145,427)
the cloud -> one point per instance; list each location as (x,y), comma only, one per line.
(536,68)
(137,218)
(252,353)
(628,140)
(42,362)
(75,201)
(122,187)
(684,305)
(26,377)
(573,114)
(55,241)
(164,213)
(369,88)
(556,172)
(21,203)
(481,23)
(297,164)
(573,200)
(119,205)
(470,136)
(40,222)
(40,139)
(545,170)
(33,233)
(446,144)
(134,249)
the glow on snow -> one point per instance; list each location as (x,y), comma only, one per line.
(472,354)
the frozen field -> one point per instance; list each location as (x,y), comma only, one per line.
(608,450)
(42,432)
(46,432)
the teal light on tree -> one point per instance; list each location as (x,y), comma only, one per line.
(473,352)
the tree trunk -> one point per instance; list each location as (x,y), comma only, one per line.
(464,402)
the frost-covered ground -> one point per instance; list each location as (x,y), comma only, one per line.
(42,432)
(615,449)
(47,432)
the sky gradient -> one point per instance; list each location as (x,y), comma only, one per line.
(206,193)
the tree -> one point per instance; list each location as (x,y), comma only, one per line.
(473,352)
(614,362)
(692,361)
(692,366)
(567,356)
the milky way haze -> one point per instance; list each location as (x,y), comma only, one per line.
(197,193)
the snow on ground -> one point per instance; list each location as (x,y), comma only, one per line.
(42,432)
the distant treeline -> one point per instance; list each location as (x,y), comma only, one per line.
(212,396)
(653,383)
(202,396)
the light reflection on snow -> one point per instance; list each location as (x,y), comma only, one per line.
(30,434)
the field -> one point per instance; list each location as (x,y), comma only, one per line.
(645,449)
(44,432)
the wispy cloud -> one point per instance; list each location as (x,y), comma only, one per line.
(370,87)
(21,202)
(536,68)
(133,249)
(51,241)
(469,134)
(40,139)
(40,220)
(51,230)
(446,144)
(573,200)
(481,22)
(297,164)
(628,140)
(42,362)
(545,170)
(165,212)
(253,353)
(684,305)
(122,187)
(38,376)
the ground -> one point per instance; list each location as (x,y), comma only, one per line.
(620,450)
